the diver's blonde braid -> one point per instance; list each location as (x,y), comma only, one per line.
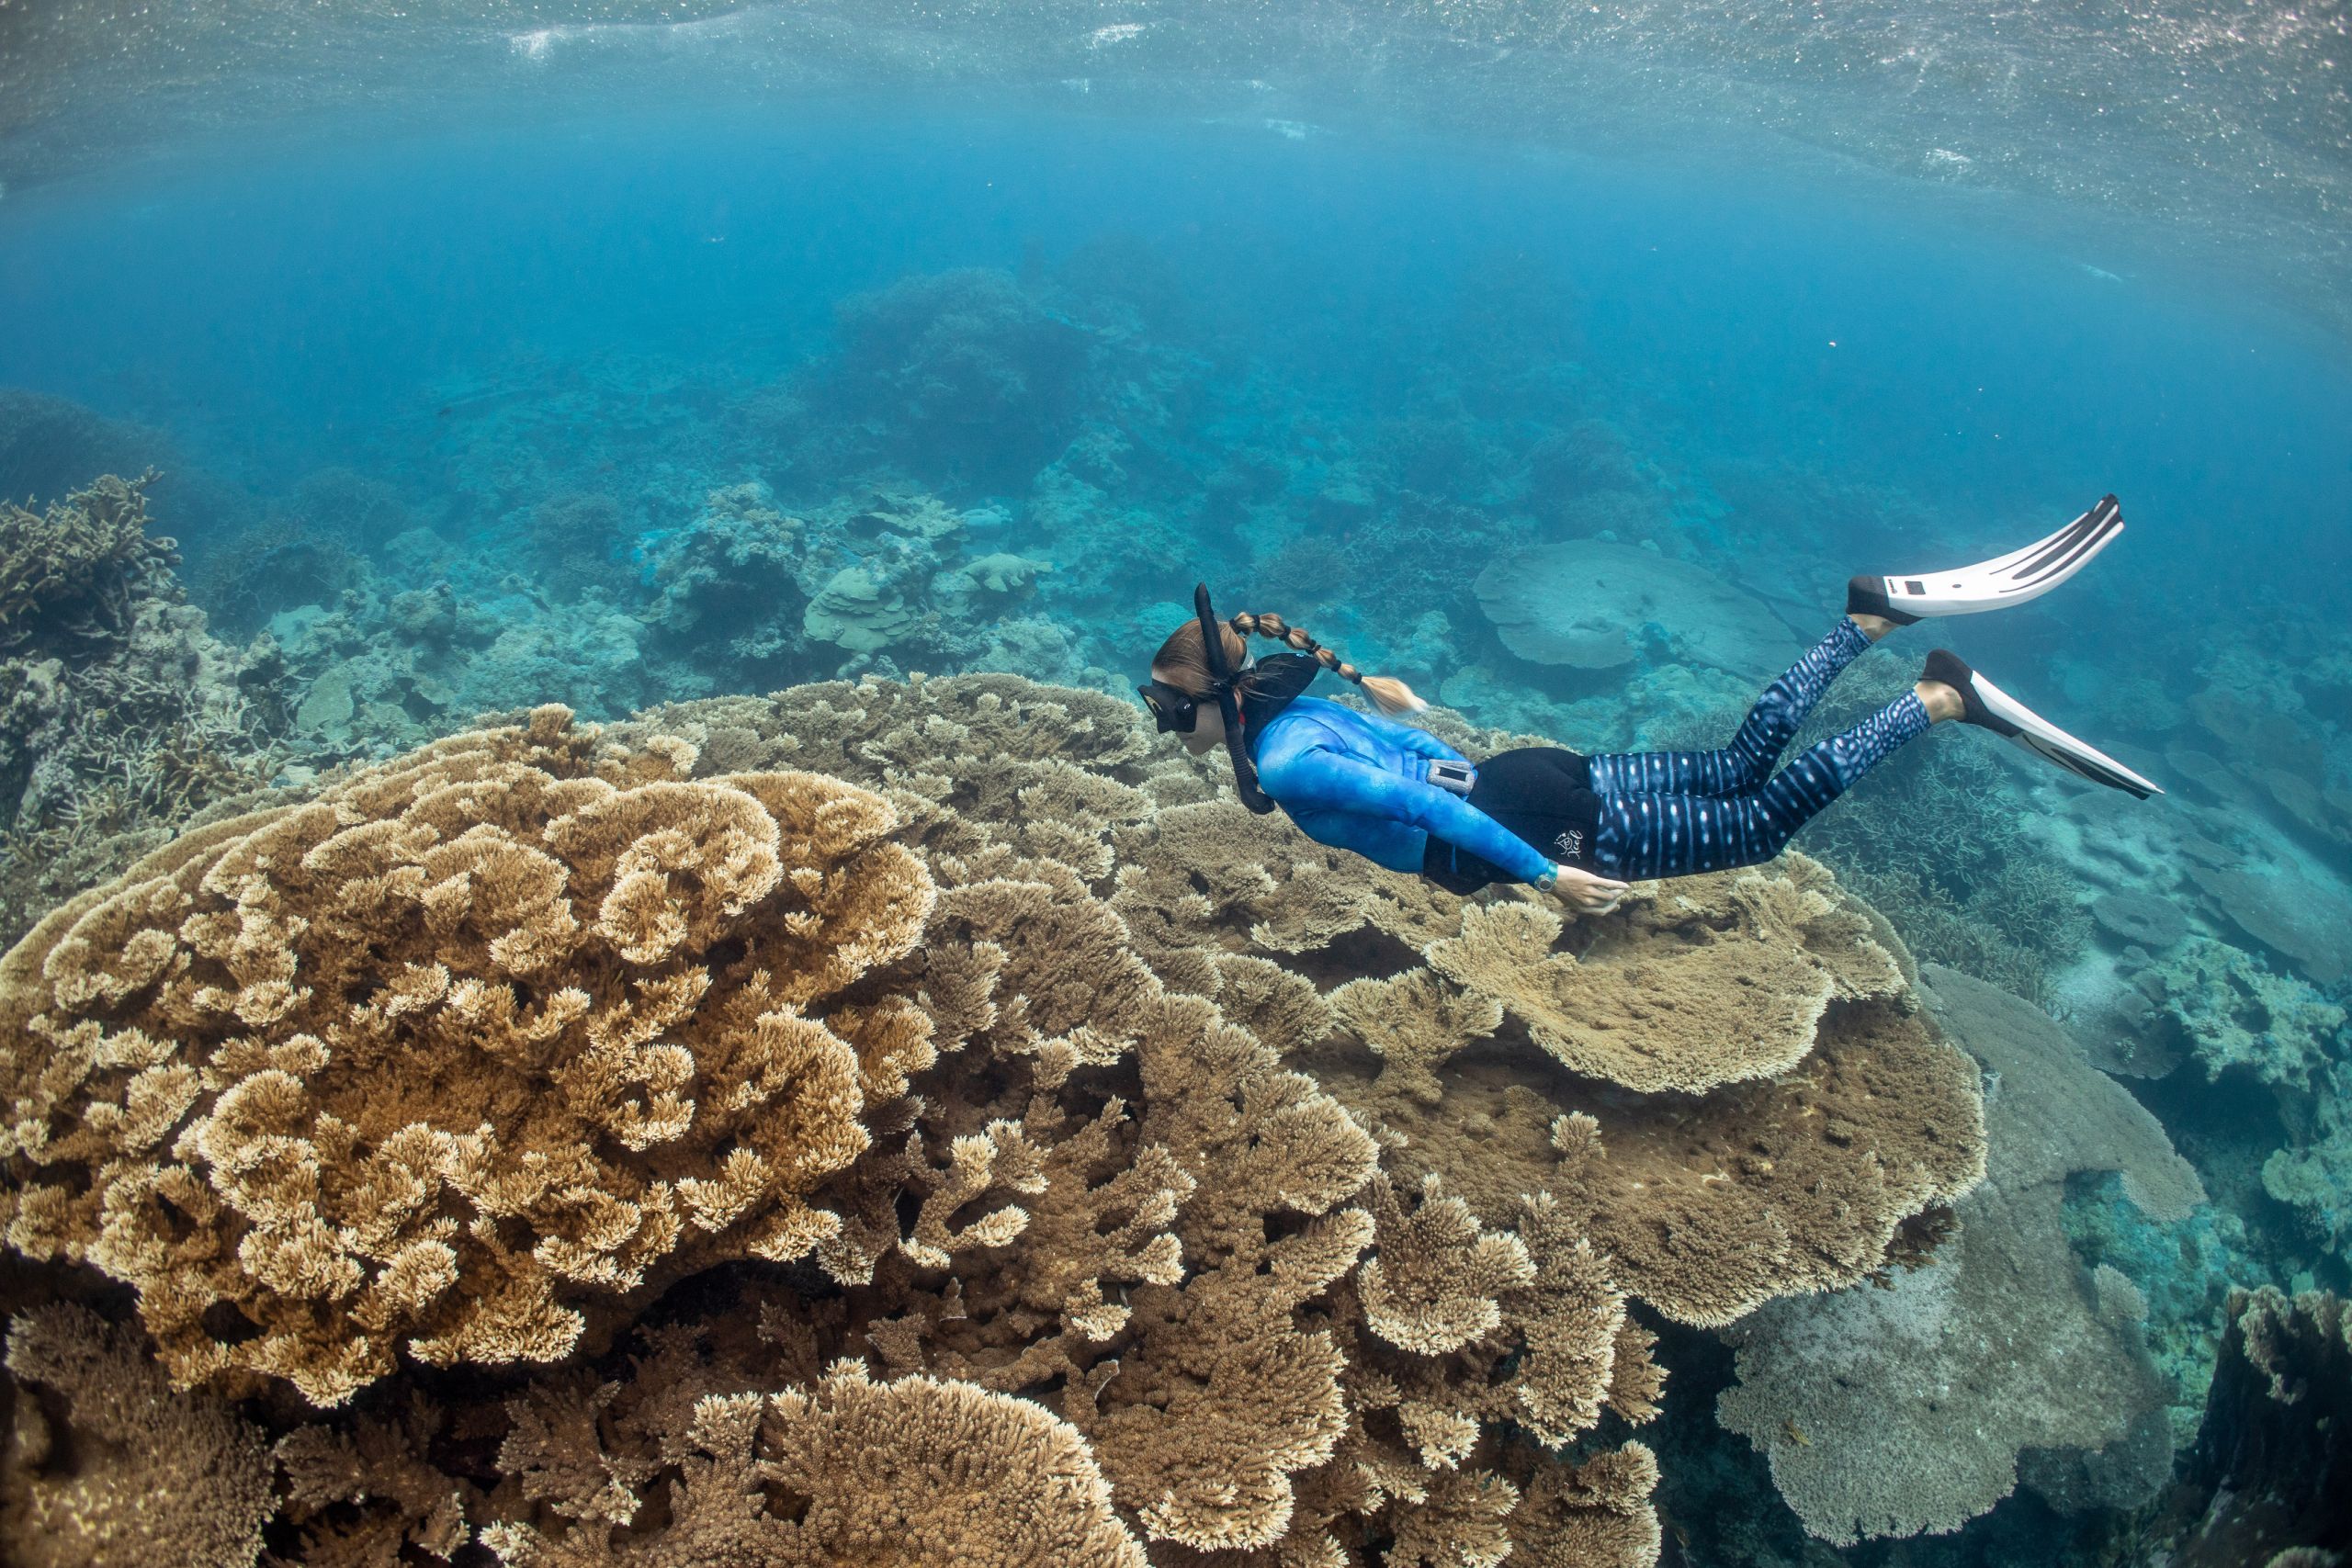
(1388,694)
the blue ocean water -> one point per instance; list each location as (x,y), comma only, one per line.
(458,413)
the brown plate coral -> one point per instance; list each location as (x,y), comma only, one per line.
(928,1113)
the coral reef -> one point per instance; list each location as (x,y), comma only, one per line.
(1717,979)
(1229,1199)
(2139,920)
(363,1492)
(2314,1174)
(1905,1410)
(2182,1267)
(1014,1099)
(386,671)
(414,1058)
(930,1471)
(75,565)
(735,592)
(963,375)
(2272,747)
(2239,1015)
(307,549)
(581,537)
(2286,908)
(1711,1207)
(873,570)
(107,1467)
(2267,1480)
(732,572)
(1013,791)
(118,710)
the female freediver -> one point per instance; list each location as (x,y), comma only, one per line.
(1582,826)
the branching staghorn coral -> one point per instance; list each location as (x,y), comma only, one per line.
(1415,1021)
(1432,1287)
(77,563)
(118,710)
(140,1475)
(357,1495)
(449,1057)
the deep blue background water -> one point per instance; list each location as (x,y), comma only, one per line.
(289,307)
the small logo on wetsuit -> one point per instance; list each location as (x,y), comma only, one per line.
(1571,844)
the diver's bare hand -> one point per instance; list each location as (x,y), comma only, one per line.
(1584,893)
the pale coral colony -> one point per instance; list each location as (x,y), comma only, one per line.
(919,1118)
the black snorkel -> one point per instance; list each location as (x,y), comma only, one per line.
(1221,680)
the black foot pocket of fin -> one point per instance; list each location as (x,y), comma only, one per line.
(1867,596)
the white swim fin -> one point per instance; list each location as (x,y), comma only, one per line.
(1994,584)
(1991,708)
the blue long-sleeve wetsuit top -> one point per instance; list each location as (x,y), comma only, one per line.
(1358,781)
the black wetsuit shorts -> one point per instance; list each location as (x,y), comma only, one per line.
(1541,794)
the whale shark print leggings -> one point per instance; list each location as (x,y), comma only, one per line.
(1666,813)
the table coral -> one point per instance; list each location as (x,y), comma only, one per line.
(1712,980)
(1592,604)
(919,1470)
(2306,917)
(1914,1402)
(2154,923)
(454,1053)
(1108,1138)
(1799,1182)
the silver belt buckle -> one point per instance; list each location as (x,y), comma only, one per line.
(1458,778)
